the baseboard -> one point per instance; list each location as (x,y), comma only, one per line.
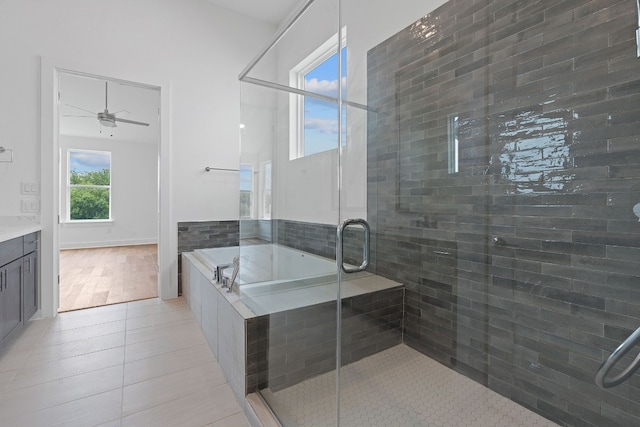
(109,244)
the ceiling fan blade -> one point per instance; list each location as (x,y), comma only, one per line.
(86,111)
(131,122)
(71,115)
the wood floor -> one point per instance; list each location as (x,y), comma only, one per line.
(103,276)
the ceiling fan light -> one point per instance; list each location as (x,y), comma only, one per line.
(107,123)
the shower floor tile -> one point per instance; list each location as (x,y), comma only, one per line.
(399,387)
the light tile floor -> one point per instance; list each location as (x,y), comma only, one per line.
(399,387)
(143,363)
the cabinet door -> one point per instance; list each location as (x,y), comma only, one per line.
(11,297)
(30,285)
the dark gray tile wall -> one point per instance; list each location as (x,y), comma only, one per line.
(252,229)
(291,346)
(205,234)
(320,239)
(257,362)
(548,105)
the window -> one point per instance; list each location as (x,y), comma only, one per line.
(314,121)
(246,190)
(89,185)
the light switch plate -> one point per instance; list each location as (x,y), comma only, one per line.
(30,206)
(30,188)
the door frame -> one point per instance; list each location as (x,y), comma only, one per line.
(51,186)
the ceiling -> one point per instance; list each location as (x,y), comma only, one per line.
(139,104)
(270,11)
(78,93)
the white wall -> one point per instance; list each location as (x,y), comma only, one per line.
(134,195)
(196,48)
(199,48)
(307,187)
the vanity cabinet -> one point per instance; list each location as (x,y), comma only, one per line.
(10,297)
(30,276)
(18,283)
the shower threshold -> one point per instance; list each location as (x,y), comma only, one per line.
(400,387)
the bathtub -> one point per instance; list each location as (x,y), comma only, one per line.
(275,278)
(274,281)
(278,266)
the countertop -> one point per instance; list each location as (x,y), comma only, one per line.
(8,232)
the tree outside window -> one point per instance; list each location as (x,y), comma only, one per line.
(89,186)
(246,191)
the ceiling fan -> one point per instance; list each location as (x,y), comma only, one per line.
(105,117)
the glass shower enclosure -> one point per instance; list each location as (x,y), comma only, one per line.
(439,207)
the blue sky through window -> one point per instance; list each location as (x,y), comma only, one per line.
(87,161)
(246,178)
(321,117)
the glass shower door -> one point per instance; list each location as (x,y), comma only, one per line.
(291,152)
(503,185)
(492,148)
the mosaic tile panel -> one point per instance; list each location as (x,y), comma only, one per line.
(400,387)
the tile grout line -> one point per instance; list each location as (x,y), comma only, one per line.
(124,358)
(81,354)
(174,372)
(24,360)
(195,392)
(49,406)
(122,416)
(60,379)
(38,344)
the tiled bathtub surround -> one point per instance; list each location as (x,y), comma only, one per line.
(301,343)
(522,268)
(205,234)
(284,347)
(319,239)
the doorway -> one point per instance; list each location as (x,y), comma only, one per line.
(109,135)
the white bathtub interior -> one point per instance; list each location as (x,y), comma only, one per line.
(276,278)
(269,263)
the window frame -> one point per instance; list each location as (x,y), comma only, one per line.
(267,186)
(297,75)
(68,218)
(251,192)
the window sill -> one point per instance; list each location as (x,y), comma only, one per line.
(89,223)
(329,152)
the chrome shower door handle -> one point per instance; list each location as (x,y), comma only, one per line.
(638,29)
(365,245)
(601,376)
